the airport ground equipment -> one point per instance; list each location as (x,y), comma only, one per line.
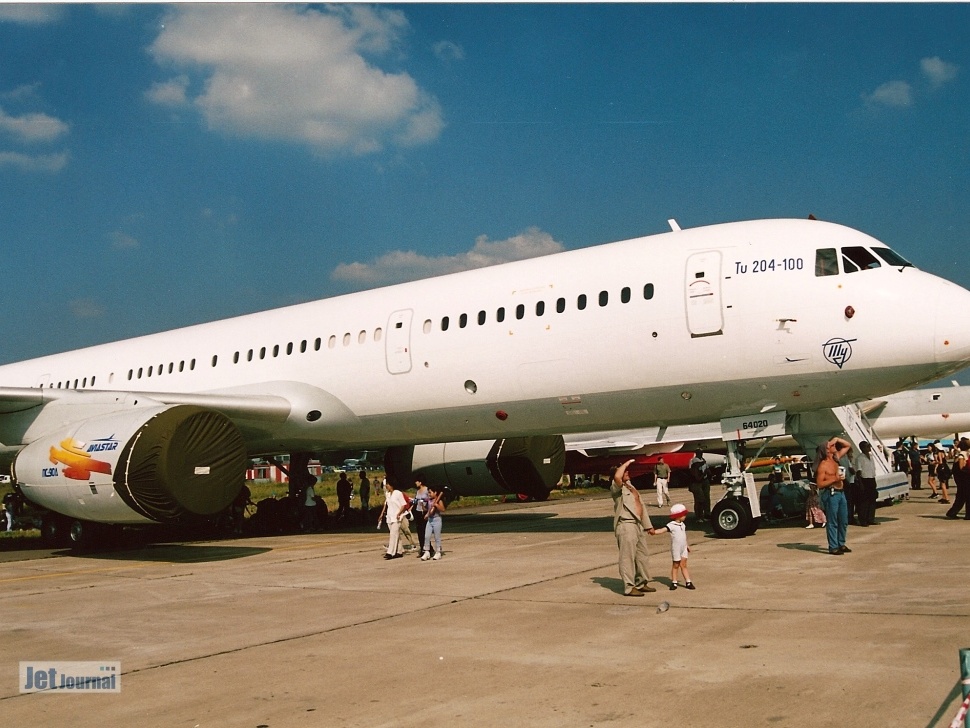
(738,513)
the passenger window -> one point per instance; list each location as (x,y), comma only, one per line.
(444,323)
(540,308)
(560,305)
(625,295)
(463,321)
(648,291)
(861,258)
(500,315)
(519,311)
(604,298)
(426,327)
(481,318)
(581,302)
(826,262)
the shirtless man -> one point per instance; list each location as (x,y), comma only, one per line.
(829,480)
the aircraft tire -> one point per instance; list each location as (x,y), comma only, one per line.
(54,530)
(84,535)
(732,519)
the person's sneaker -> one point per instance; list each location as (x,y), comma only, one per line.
(673,586)
(690,585)
(846,550)
(436,556)
(425,556)
(645,587)
(835,552)
(388,556)
(943,500)
(634,592)
(810,525)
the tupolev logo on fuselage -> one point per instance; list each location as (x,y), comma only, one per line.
(838,351)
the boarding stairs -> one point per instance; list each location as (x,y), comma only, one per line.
(812,429)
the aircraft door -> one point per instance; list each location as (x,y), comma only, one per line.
(397,343)
(702,286)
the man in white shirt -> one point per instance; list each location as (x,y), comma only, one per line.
(394,503)
(866,488)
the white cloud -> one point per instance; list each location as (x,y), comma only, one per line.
(445,50)
(296,74)
(34,162)
(938,71)
(25,91)
(406,265)
(31,13)
(33,127)
(892,93)
(169,93)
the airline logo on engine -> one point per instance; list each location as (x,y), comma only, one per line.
(76,457)
(104,445)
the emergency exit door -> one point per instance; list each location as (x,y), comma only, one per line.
(705,316)
(397,343)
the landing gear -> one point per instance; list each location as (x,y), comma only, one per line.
(54,530)
(738,513)
(87,535)
(731,518)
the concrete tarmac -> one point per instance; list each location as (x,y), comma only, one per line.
(522,622)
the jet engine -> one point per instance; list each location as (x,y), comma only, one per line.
(519,465)
(149,464)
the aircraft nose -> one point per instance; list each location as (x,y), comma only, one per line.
(952,324)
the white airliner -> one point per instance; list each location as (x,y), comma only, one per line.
(689,326)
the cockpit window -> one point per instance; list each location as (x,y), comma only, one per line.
(858,258)
(892,258)
(826,262)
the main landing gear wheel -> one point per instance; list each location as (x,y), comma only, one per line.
(732,519)
(54,531)
(85,535)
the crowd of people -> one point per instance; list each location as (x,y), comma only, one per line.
(843,491)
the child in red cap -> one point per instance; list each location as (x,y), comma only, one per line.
(678,545)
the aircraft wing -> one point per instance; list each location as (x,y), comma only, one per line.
(648,440)
(241,406)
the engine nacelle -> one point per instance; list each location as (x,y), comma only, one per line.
(151,464)
(528,465)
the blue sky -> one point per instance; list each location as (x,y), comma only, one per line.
(166,165)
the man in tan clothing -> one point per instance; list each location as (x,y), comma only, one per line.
(630,522)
